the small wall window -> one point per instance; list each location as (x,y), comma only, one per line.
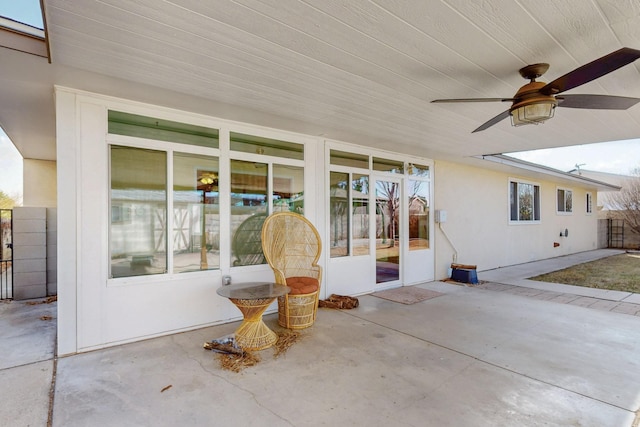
(564,200)
(589,200)
(524,201)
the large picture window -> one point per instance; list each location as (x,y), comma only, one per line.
(183,174)
(140,197)
(524,201)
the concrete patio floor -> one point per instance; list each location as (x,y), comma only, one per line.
(509,352)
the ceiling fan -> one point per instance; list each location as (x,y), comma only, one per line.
(536,101)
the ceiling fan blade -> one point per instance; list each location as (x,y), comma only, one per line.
(597,102)
(591,71)
(474,100)
(493,121)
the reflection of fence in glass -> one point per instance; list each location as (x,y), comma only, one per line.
(360,214)
(344,219)
(138,243)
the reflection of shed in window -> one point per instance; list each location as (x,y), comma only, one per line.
(120,214)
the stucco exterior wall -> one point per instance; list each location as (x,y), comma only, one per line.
(39,183)
(478,226)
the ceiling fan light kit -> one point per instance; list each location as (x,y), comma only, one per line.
(536,102)
(530,107)
(532,114)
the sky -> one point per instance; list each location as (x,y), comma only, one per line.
(619,157)
(25,11)
(10,167)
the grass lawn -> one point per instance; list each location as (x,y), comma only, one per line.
(618,273)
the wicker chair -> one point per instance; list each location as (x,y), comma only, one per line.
(292,246)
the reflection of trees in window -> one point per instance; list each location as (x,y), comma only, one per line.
(525,197)
(360,214)
(418,214)
(417,170)
(565,200)
(388,201)
(288,189)
(524,201)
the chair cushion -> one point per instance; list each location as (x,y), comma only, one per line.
(302,285)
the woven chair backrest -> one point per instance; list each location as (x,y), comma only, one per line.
(291,244)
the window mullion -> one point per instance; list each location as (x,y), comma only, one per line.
(350,215)
(170,213)
(269,188)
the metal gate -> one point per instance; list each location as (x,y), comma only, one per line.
(616,233)
(6,254)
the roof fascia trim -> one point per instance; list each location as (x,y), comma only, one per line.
(534,167)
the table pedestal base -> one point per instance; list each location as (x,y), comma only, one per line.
(253,334)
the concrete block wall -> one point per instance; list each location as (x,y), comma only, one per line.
(52,251)
(29,252)
(603,233)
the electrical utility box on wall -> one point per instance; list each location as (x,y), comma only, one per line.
(441,216)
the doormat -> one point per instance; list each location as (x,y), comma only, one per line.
(407,294)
